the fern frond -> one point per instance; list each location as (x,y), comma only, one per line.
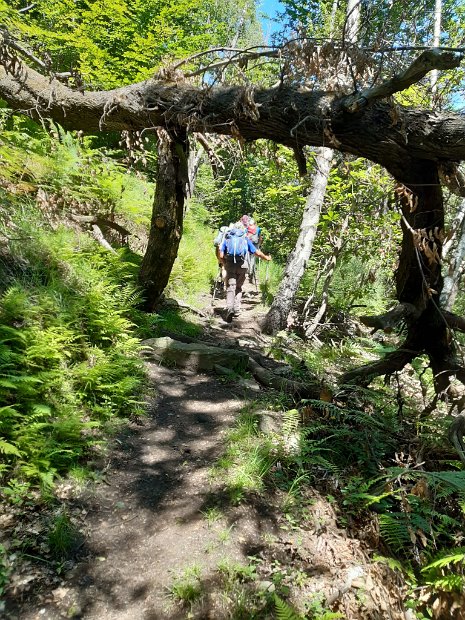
(285,611)
(446,560)
(291,421)
(9,448)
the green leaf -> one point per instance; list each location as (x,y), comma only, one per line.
(9,448)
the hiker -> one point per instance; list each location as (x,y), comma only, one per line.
(245,220)
(235,251)
(218,240)
(255,236)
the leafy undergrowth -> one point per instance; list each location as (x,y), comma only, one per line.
(389,472)
(69,355)
(70,371)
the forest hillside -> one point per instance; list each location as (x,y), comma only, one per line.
(166,452)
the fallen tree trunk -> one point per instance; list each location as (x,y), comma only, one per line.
(199,356)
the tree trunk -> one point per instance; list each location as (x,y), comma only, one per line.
(167,216)
(278,313)
(419,283)
(436,40)
(455,271)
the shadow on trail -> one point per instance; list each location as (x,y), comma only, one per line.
(148,522)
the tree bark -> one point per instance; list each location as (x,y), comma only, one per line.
(167,215)
(419,281)
(455,270)
(361,124)
(278,313)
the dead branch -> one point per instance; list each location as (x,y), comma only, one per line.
(427,61)
(100,221)
(98,235)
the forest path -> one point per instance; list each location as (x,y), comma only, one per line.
(159,512)
(163,539)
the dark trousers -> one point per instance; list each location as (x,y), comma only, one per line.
(235,278)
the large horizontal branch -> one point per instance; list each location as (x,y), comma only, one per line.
(286,115)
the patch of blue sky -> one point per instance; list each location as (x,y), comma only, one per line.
(268,11)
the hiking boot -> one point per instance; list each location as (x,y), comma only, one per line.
(229,316)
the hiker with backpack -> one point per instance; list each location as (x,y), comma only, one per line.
(254,233)
(235,251)
(218,240)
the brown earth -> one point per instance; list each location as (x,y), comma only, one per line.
(159,518)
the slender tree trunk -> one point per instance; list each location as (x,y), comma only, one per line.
(455,271)
(436,40)
(193,164)
(277,316)
(281,307)
(167,216)
(310,329)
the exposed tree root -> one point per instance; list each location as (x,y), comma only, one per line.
(386,322)
(269,379)
(387,366)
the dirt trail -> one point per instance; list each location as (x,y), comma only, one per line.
(147,522)
(151,520)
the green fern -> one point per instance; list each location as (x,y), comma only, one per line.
(451,561)
(285,611)
(291,422)
(9,449)
(446,559)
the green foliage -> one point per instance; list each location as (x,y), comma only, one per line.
(247,460)
(68,355)
(115,42)
(447,571)
(187,587)
(285,611)
(196,266)
(75,175)
(4,569)
(62,537)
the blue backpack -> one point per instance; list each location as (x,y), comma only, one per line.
(236,245)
